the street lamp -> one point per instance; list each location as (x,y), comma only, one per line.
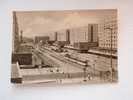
(111,31)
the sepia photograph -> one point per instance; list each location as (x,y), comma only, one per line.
(64,46)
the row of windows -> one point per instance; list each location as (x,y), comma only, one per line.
(110,19)
(105,35)
(113,43)
(108,45)
(107,41)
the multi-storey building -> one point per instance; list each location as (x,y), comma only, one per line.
(79,34)
(15,33)
(88,33)
(81,38)
(42,39)
(107,31)
(92,32)
(63,35)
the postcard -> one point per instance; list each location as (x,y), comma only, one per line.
(64,46)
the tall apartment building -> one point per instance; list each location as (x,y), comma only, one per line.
(92,32)
(105,34)
(61,35)
(88,33)
(79,34)
(15,33)
(56,34)
(68,36)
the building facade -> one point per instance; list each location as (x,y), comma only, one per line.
(42,39)
(15,33)
(88,33)
(108,30)
(92,32)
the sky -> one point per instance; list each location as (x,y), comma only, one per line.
(40,23)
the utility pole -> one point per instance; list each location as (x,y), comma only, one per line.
(111,31)
(21,36)
(85,69)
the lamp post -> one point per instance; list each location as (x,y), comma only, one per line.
(111,31)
